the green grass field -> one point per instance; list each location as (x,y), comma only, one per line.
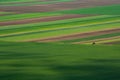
(43,61)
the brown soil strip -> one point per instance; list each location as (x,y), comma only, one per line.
(59,6)
(97,40)
(44,19)
(76,36)
(9,3)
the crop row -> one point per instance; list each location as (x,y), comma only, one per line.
(74,24)
(26,16)
(35,3)
(92,38)
(60,32)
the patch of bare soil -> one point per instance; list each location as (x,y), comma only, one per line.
(59,6)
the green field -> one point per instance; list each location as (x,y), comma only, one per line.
(68,23)
(69,42)
(109,10)
(5,13)
(26,16)
(58,28)
(43,61)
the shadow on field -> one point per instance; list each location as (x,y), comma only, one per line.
(99,70)
(21,66)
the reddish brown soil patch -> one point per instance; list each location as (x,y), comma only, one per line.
(59,6)
(44,19)
(75,36)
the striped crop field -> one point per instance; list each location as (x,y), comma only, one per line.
(59,39)
(47,31)
(60,26)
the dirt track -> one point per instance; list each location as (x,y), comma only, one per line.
(59,6)
(44,19)
(75,36)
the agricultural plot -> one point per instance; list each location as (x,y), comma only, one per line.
(48,31)
(109,10)
(60,5)
(31,2)
(59,39)
(62,25)
(5,13)
(43,61)
(9,1)
(109,33)
(25,16)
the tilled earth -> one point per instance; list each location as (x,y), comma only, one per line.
(59,6)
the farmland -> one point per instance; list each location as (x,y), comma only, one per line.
(97,10)
(59,39)
(44,61)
